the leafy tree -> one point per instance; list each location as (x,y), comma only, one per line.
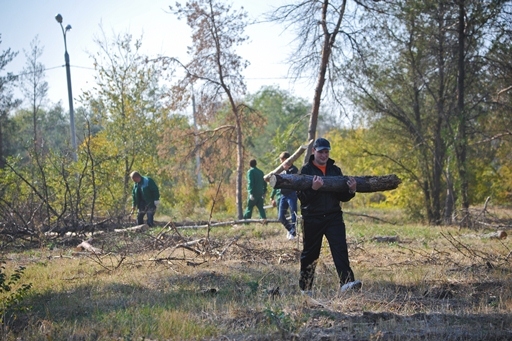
(285,129)
(56,194)
(494,145)
(125,103)
(477,23)
(385,84)
(7,103)
(216,72)
(23,123)
(42,193)
(53,131)
(55,128)
(407,83)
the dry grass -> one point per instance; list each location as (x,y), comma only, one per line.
(432,284)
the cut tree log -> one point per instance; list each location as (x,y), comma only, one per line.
(85,245)
(289,160)
(500,234)
(365,184)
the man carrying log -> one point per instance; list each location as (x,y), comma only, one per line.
(322,215)
(288,199)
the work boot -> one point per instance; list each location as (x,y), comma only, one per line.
(355,285)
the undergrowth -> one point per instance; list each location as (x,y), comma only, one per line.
(240,283)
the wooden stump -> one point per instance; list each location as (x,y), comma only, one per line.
(365,184)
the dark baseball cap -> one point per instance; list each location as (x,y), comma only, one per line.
(322,144)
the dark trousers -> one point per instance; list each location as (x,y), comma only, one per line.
(285,202)
(333,227)
(258,202)
(150,212)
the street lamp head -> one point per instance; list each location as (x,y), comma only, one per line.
(58,17)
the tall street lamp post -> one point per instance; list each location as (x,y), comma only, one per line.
(58,17)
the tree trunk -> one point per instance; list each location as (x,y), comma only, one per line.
(365,184)
(449,204)
(327,45)
(239,164)
(461,143)
(2,156)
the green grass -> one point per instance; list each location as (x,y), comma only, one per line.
(434,283)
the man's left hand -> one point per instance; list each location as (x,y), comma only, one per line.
(352,184)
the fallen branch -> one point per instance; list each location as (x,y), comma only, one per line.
(233,222)
(85,245)
(234,240)
(188,245)
(466,251)
(137,228)
(191,243)
(168,259)
(169,226)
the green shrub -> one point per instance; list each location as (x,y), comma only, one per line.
(11,292)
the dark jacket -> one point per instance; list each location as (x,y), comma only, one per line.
(291,170)
(256,186)
(317,203)
(149,191)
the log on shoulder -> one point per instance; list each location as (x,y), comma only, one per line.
(365,184)
(289,160)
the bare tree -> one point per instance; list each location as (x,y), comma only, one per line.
(33,85)
(216,68)
(319,25)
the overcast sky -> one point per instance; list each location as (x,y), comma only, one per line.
(22,20)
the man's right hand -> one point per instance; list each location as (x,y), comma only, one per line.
(317,182)
(251,197)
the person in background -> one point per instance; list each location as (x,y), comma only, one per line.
(256,188)
(322,216)
(275,196)
(145,197)
(288,199)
